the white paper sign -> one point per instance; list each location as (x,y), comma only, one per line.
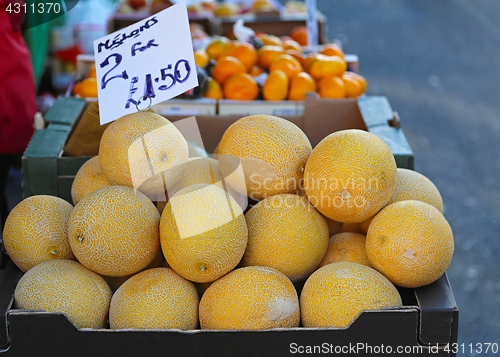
(312,25)
(145,63)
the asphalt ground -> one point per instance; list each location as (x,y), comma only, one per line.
(437,62)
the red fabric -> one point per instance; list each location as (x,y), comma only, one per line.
(17,88)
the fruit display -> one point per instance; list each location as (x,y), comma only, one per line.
(280,67)
(296,255)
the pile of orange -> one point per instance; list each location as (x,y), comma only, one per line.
(205,258)
(280,67)
(87,87)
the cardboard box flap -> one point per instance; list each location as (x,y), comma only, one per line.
(65,110)
(375,110)
(439,312)
(325,116)
(41,156)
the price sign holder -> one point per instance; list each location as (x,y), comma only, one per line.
(312,25)
(145,63)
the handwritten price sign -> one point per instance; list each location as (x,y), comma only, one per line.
(145,63)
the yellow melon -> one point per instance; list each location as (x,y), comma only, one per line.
(143,150)
(114,231)
(350,175)
(203,232)
(346,247)
(65,286)
(351,227)
(272,153)
(115,282)
(88,179)
(365,224)
(411,243)
(334,227)
(286,233)
(206,170)
(412,185)
(36,230)
(337,293)
(250,298)
(155,298)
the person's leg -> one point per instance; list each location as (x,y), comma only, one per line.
(5,162)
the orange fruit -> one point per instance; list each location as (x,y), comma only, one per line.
(119,223)
(276,86)
(286,63)
(203,233)
(270,40)
(299,34)
(332,49)
(88,179)
(255,71)
(65,286)
(241,86)
(92,73)
(286,233)
(331,87)
(201,58)
(412,185)
(217,46)
(155,298)
(76,89)
(346,247)
(292,45)
(36,230)
(411,243)
(260,165)
(225,9)
(251,298)
(300,85)
(267,54)
(262,5)
(87,88)
(297,55)
(143,150)
(214,90)
(337,293)
(350,175)
(310,58)
(360,78)
(243,51)
(353,87)
(226,67)
(326,66)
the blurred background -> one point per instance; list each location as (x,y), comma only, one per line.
(437,62)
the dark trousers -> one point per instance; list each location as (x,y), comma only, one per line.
(5,163)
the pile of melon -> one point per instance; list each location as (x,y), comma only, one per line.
(159,238)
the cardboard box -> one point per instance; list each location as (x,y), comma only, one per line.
(426,324)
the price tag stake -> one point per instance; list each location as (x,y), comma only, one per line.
(152,58)
(312,26)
